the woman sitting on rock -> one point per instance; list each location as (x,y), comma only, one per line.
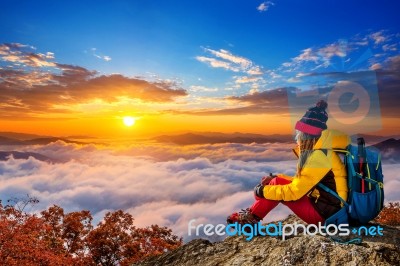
(317,163)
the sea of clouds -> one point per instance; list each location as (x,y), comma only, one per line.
(160,184)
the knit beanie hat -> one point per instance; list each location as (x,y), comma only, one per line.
(314,120)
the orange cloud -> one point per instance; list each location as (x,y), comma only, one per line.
(25,90)
(21,54)
(274,101)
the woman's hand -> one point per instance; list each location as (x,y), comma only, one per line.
(266,179)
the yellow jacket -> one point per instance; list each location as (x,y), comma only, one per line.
(323,165)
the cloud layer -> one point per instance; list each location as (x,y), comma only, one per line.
(249,72)
(171,189)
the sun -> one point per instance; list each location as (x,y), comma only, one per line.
(129,121)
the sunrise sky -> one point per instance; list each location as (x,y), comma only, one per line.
(126,71)
(80,67)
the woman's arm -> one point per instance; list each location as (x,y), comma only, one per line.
(315,168)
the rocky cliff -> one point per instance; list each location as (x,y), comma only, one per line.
(297,250)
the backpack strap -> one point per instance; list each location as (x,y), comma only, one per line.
(338,240)
(356,240)
(333,193)
(348,162)
(330,191)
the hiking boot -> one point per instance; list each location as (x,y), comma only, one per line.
(243,217)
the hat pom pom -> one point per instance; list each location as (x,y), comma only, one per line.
(322,104)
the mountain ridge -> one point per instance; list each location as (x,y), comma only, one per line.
(36,141)
(188,138)
(20,136)
(214,138)
(389,149)
(4,155)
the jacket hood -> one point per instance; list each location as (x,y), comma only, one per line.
(332,139)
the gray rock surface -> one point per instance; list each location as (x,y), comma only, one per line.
(297,250)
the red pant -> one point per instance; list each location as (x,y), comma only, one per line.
(301,207)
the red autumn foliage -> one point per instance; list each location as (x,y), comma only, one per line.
(390,214)
(58,238)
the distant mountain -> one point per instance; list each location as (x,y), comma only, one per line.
(276,137)
(4,155)
(9,141)
(390,150)
(371,139)
(213,138)
(388,144)
(80,137)
(44,141)
(36,141)
(20,136)
(237,137)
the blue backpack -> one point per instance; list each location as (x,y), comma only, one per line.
(365,183)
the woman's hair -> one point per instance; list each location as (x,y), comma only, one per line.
(306,145)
